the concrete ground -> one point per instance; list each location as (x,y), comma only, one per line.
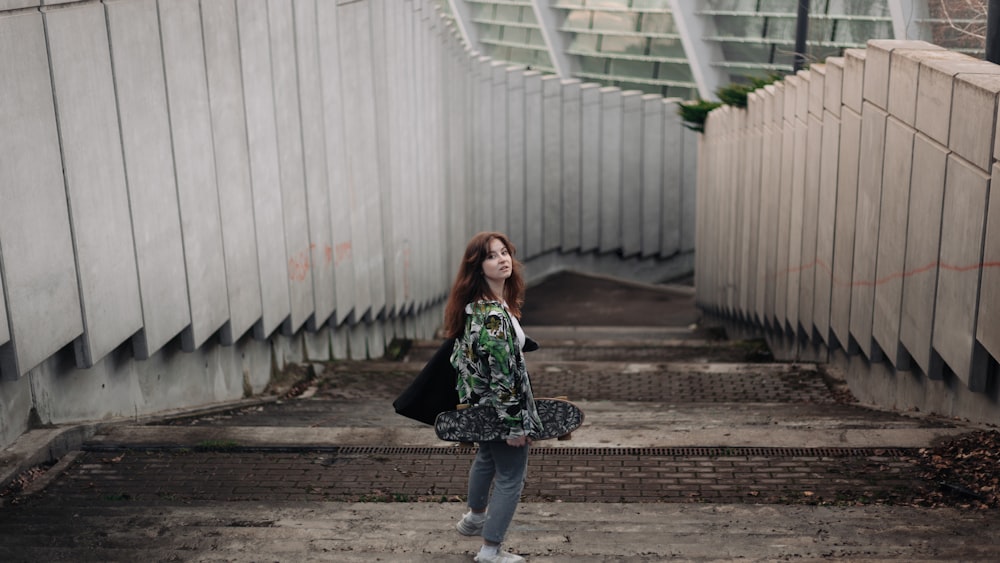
(693,449)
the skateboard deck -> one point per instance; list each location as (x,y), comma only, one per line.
(480,423)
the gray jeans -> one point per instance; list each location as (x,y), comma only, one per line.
(504,467)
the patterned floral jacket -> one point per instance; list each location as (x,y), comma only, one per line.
(491,368)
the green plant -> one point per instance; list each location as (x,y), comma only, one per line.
(694,114)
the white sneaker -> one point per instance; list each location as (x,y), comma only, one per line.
(500,557)
(470,525)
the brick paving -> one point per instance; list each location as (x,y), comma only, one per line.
(643,475)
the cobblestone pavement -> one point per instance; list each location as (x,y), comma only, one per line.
(395,474)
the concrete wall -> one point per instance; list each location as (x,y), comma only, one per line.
(193,192)
(885,256)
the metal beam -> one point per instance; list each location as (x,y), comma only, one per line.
(555,40)
(906,18)
(463,19)
(700,53)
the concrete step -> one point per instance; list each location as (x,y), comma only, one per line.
(543,532)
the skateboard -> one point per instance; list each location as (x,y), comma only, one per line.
(480,423)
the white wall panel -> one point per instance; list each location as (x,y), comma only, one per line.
(552,161)
(291,163)
(497,219)
(610,196)
(873,124)
(516,128)
(826,222)
(988,330)
(631,176)
(95,179)
(653,185)
(336,159)
(963,228)
(35,243)
(133,29)
(572,164)
(265,174)
(314,155)
(590,167)
(890,263)
(190,121)
(923,243)
(362,163)
(844,232)
(232,161)
(534,154)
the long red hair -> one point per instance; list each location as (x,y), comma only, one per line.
(470,284)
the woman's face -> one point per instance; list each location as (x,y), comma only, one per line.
(497,266)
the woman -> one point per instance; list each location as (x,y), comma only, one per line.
(482,315)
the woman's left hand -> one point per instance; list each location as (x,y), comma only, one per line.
(519,441)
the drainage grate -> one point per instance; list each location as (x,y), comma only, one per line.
(715,451)
(655,452)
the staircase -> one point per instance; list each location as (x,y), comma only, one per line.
(695,448)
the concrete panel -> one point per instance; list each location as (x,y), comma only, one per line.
(95,179)
(854,79)
(133,29)
(498,219)
(833,85)
(314,154)
(534,154)
(35,240)
(482,135)
(671,187)
(785,202)
(264,166)
(826,224)
(552,161)
(877,67)
(631,193)
(973,118)
(963,227)
(797,268)
(770,208)
(904,77)
(755,108)
(590,167)
(610,226)
(936,93)
(336,159)
(232,160)
(923,242)
(817,90)
(191,121)
(810,223)
(802,94)
(689,187)
(383,28)
(291,164)
(893,221)
(988,329)
(844,233)
(515,157)
(362,162)
(653,187)
(873,123)
(4,327)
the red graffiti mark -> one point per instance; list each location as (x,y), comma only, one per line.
(299,266)
(343,252)
(328,254)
